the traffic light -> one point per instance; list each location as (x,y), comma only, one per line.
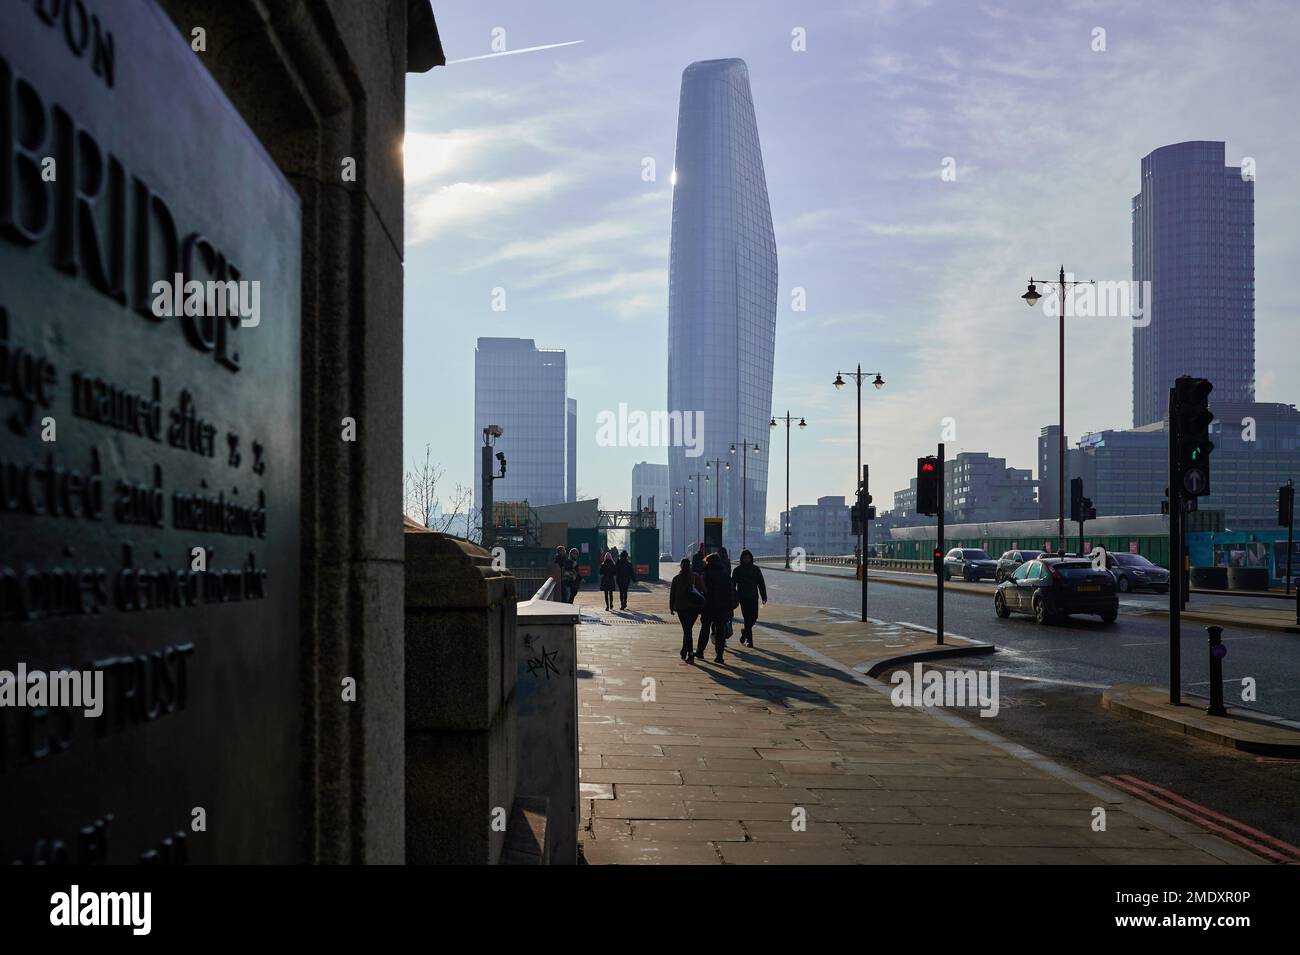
(1086,511)
(1285,501)
(1076,499)
(1191,435)
(938,561)
(929,486)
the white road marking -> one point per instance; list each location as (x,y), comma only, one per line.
(946,634)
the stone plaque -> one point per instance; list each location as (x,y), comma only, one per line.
(149,451)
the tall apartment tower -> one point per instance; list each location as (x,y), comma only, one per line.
(721,297)
(523,389)
(1194,241)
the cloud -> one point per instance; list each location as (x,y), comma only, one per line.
(462,203)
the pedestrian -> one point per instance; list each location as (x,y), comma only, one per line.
(686,600)
(572,579)
(719,601)
(697,560)
(726,559)
(557,574)
(608,579)
(748,580)
(625,574)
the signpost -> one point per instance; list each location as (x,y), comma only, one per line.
(150,277)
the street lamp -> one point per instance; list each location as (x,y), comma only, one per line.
(717,485)
(802,424)
(676,521)
(1031,298)
(744,488)
(699,499)
(879,382)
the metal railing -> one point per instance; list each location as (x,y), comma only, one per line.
(895,563)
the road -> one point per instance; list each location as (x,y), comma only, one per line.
(1082,650)
(1050,685)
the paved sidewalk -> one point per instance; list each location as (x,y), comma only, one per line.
(709,764)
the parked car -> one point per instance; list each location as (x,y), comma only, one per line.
(972,563)
(1135,572)
(1012,559)
(1053,587)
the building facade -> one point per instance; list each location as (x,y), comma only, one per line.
(982,488)
(522,388)
(650,484)
(571,450)
(1049,465)
(1256,449)
(822,529)
(721,292)
(1194,242)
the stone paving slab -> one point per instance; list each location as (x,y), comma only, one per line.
(787,755)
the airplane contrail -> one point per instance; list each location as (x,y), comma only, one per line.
(527,49)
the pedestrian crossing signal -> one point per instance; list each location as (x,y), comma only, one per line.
(929,490)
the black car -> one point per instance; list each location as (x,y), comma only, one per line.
(1012,559)
(971,562)
(1054,587)
(1135,572)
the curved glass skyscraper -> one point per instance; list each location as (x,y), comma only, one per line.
(721,301)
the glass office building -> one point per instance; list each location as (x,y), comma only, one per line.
(522,388)
(1194,241)
(721,298)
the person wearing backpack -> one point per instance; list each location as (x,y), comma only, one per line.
(572,579)
(719,597)
(686,600)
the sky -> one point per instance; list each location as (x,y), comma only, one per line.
(526,173)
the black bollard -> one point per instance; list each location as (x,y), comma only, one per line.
(1217,652)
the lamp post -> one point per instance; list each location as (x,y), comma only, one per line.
(677,501)
(1031,298)
(715,465)
(802,424)
(879,382)
(744,487)
(699,499)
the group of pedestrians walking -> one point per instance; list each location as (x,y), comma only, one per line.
(709,590)
(616,570)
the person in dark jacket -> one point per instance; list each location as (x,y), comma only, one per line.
(718,604)
(683,604)
(625,574)
(697,560)
(608,578)
(748,581)
(572,578)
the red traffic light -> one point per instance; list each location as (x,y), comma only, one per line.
(927,466)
